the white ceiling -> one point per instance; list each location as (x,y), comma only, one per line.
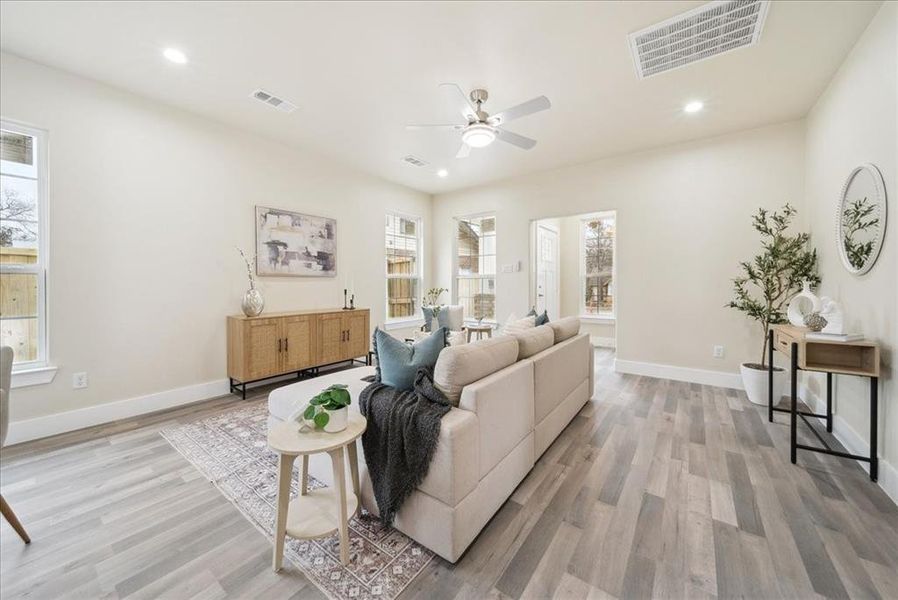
(360,71)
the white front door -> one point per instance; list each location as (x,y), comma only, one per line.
(547,280)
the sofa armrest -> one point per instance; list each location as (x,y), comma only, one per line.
(453,472)
(503,403)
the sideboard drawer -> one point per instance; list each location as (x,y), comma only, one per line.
(783,341)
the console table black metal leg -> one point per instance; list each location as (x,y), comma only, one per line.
(770,376)
(793,425)
(874,427)
(829,402)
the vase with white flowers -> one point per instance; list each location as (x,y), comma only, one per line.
(253,302)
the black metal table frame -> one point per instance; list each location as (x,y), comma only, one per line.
(239,387)
(795,413)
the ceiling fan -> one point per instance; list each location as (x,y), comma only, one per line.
(481,129)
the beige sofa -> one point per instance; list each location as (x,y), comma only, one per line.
(514,395)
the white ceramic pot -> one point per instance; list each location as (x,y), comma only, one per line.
(339,419)
(755,382)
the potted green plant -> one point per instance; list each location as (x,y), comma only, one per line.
(766,284)
(329,409)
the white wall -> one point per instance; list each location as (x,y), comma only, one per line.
(683,225)
(147,204)
(854,122)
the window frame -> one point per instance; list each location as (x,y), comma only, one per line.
(581,308)
(411,321)
(36,371)
(470,319)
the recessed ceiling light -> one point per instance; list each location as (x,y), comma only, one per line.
(694,106)
(442,173)
(175,55)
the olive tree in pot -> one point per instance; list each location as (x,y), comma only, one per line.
(766,284)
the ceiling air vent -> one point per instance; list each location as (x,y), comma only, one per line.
(273,101)
(709,30)
(414,160)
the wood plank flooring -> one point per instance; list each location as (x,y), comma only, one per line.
(656,489)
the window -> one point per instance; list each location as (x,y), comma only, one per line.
(23,257)
(404,272)
(597,243)
(475,272)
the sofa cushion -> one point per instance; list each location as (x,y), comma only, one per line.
(535,340)
(457,366)
(452,317)
(565,328)
(397,362)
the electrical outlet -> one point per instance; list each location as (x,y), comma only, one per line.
(718,352)
(79,381)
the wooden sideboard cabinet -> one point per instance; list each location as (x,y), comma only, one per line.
(293,342)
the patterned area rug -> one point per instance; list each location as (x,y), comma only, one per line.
(231,450)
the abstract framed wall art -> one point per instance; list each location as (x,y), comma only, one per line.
(295,245)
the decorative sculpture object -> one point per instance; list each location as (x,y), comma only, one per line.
(815,321)
(806,304)
(803,303)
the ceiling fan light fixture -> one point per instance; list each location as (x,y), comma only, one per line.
(478,135)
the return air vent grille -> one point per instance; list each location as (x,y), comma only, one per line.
(709,30)
(415,161)
(273,101)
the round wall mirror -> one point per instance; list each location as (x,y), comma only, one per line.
(861,221)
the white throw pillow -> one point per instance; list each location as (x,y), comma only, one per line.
(514,325)
(452,317)
(455,338)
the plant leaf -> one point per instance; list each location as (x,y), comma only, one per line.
(321,420)
(309,413)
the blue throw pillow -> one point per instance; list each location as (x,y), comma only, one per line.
(397,361)
(540,319)
(428,317)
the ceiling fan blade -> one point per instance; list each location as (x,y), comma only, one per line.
(521,110)
(515,140)
(464,151)
(459,101)
(433,125)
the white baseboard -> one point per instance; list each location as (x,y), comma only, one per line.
(716,378)
(64,422)
(602,342)
(854,443)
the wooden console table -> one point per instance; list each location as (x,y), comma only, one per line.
(859,358)
(294,342)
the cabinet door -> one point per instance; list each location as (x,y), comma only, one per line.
(299,343)
(262,350)
(357,334)
(331,336)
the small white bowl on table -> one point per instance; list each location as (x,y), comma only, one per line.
(320,512)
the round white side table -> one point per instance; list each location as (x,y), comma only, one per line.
(320,512)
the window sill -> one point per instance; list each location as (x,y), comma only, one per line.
(33,376)
(598,319)
(403,324)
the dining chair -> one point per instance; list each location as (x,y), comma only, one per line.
(6,356)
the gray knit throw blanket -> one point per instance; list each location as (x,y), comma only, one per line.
(401,438)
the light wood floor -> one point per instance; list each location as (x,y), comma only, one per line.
(657,488)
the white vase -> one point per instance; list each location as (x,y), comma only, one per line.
(803,303)
(253,303)
(339,419)
(755,382)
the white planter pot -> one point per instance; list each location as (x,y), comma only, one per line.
(755,382)
(339,419)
